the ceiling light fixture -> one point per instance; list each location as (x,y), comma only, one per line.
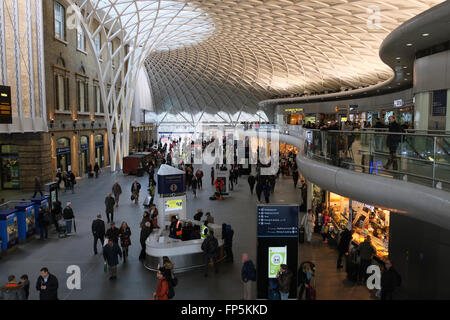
(425,34)
(409,44)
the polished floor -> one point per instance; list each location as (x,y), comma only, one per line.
(136,282)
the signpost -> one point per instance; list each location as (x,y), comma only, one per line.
(5,105)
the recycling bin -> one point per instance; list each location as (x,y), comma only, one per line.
(8,228)
(26,219)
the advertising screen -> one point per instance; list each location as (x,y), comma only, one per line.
(173,205)
(277,257)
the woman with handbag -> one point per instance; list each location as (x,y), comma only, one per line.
(125,239)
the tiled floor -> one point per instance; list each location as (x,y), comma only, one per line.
(136,282)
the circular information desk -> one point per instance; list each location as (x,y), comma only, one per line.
(185,255)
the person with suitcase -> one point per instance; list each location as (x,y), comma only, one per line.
(307,224)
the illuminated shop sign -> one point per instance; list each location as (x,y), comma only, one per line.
(398,103)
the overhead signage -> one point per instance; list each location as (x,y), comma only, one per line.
(64,150)
(5,105)
(277,257)
(278,221)
(398,103)
(439,107)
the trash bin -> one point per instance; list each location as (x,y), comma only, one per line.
(26,219)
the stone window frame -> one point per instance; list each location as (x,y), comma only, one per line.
(59,70)
(82,79)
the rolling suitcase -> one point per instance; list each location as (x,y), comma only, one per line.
(301,235)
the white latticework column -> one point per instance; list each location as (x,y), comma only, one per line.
(141,27)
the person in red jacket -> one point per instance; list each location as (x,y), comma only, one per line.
(219,187)
(162,291)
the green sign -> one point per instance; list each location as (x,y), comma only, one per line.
(277,257)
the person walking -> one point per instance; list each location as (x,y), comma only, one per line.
(146,230)
(13,290)
(235,174)
(47,285)
(96,170)
(228,242)
(135,189)
(68,217)
(305,277)
(259,189)
(117,191)
(37,187)
(198,216)
(125,239)
(111,252)
(284,277)
(295,177)
(109,207)
(210,248)
(56,214)
(366,251)
(343,246)
(390,280)
(59,178)
(162,290)
(194,184)
(26,285)
(392,142)
(231,178)
(251,182)
(248,275)
(73,181)
(199,176)
(113,233)
(98,231)
(209,217)
(308,223)
(212,176)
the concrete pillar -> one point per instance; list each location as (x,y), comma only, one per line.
(309,194)
(422,110)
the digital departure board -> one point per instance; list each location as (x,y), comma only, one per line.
(5,105)
(278,221)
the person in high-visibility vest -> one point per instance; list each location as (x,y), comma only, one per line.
(175,228)
(204,230)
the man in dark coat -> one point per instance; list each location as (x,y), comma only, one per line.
(392,142)
(228,243)
(259,189)
(390,279)
(210,247)
(117,191)
(251,182)
(68,217)
(212,176)
(47,285)
(96,169)
(56,214)
(146,230)
(111,254)
(344,242)
(295,176)
(113,233)
(109,204)
(98,231)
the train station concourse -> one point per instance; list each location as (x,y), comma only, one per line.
(196,150)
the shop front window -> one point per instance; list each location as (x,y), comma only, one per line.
(84,145)
(9,156)
(99,150)
(63,155)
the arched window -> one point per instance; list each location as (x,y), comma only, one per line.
(61,90)
(62,142)
(82,90)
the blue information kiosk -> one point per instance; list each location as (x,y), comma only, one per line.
(43,202)
(26,218)
(8,228)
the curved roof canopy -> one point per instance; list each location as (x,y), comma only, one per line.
(211,55)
